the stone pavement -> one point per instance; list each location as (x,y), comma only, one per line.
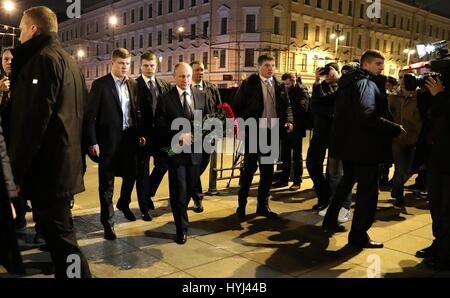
(221,245)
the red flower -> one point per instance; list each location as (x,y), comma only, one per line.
(228,110)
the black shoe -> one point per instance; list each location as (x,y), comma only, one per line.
(198,206)
(280,184)
(333,229)
(416,187)
(151,206)
(266,212)
(240,211)
(428,252)
(110,234)
(146,216)
(181,238)
(295,187)
(127,213)
(399,204)
(367,244)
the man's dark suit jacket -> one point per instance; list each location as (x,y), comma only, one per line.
(104,117)
(145,100)
(168,109)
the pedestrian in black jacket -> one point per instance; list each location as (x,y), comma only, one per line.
(150,90)
(362,138)
(439,178)
(112,134)
(259,98)
(322,107)
(48,98)
(291,147)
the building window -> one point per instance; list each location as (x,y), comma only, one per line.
(304,62)
(160,5)
(431,31)
(327,36)
(401,23)
(340,7)
(205,59)
(107,48)
(150,40)
(350,8)
(276,25)
(87,32)
(249,58)
(150,11)
(384,45)
(141,41)
(132,16)
(96,29)
(223,26)
(437,32)
(192,57)
(169,63)
(223,57)
(250,23)
(169,35)
(418,27)
(394,21)
(205,28)
(386,22)
(348,39)
(159,38)
(306,31)
(87,72)
(330,5)
(361,12)
(132,67)
(377,44)
(359,41)
(132,43)
(317,35)
(291,60)
(181,4)
(170,9)
(180,58)
(193,3)
(125,43)
(293,29)
(193,31)
(159,67)
(141,13)
(180,37)
(392,47)
(124,18)
(307,2)
(319,3)
(97,50)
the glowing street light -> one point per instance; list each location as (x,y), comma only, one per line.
(9,6)
(337,38)
(409,52)
(80,54)
(113,20)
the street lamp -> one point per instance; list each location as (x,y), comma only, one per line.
(80,54)
(409,52)
(337,38)
(113,21)
(9,6)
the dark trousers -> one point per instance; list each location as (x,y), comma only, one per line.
(198,193)
(160,168)
(439,201)
(291,149)
(56,223)
(366,199)
(123,163)
(316,157)
(143,181)
(183,177)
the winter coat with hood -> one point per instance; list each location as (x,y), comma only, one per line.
(362,130)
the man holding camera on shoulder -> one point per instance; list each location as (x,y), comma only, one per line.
(438,254)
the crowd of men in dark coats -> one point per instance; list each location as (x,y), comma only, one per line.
(50,121)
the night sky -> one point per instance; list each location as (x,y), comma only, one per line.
(438,6)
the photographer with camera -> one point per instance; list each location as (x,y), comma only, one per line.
(405,111)
(438,254)
(322,107)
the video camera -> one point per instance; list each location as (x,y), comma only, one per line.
(438,68)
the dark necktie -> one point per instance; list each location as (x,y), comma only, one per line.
(154,92)
(186,107)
